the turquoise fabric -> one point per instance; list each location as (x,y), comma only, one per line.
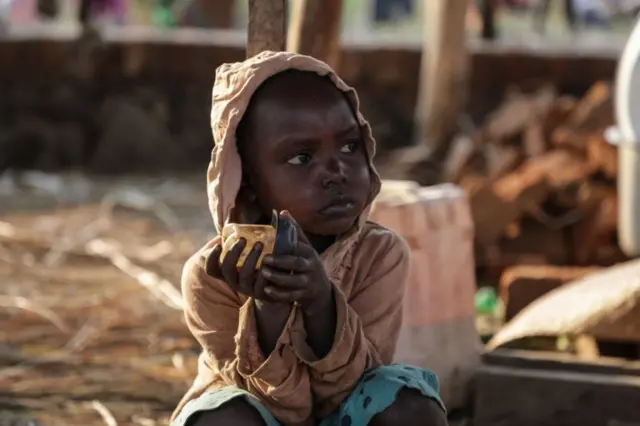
(212,400)
(376,391)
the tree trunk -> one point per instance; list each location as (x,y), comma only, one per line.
(444,74)
(267,26)
(315,29)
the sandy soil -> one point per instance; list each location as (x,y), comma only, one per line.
(89,297)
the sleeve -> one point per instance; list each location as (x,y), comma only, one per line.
(367,325)
(225,327)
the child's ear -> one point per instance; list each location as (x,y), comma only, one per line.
(248,200)
(246,192)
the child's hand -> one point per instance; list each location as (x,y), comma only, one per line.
(245,280)
(298,277)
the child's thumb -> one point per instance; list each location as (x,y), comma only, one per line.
(286,214)
(300,232)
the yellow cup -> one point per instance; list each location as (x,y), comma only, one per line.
(253,234)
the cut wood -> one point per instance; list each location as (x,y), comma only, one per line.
(501,160)
(521,285)
(593,113)
(530,174)
(515,114)
(603,156)
(534,143)
(509,119)
(559,167)
(463,151)
(558,113)
(315,29)
(495,206)
(594,234)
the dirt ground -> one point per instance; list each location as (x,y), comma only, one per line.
(89,297)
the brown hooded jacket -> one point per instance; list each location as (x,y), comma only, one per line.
(368,267)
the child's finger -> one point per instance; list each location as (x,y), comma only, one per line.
(283,279)
(212,262)
(288,263)
(258,287)
(282,295)
(300,233)
(247,273)
(251,261)
(228,267)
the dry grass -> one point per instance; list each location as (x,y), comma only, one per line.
(92,329)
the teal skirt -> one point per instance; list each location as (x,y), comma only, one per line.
(375,392)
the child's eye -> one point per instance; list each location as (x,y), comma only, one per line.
(299,159)
(350,147)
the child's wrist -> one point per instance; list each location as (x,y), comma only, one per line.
(271,305)
(320,305)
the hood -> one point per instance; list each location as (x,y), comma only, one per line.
(234,86)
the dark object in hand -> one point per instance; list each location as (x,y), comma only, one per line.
(278,238)
(286,235)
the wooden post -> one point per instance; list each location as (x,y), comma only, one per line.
(315,29)
(267,26)
(443,76)
(488,12)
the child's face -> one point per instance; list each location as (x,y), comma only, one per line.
(305,154)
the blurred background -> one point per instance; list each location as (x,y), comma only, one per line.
(497,136)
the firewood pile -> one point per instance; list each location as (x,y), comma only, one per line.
(541,181)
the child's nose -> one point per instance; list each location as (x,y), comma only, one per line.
(334,172)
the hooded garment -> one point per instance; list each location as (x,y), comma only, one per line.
(368,267)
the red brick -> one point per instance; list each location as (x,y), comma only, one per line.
(521,285)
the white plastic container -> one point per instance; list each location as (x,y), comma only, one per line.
(627,110)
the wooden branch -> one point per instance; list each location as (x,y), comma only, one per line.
(315,29)
(267,28)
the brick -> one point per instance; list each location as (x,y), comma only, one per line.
(521,285)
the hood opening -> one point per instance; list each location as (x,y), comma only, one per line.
(234,87)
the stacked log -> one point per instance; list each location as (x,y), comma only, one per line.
(540,177)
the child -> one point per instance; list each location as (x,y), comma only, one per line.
(310,338)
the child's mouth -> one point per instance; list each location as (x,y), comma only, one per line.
(338,208)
